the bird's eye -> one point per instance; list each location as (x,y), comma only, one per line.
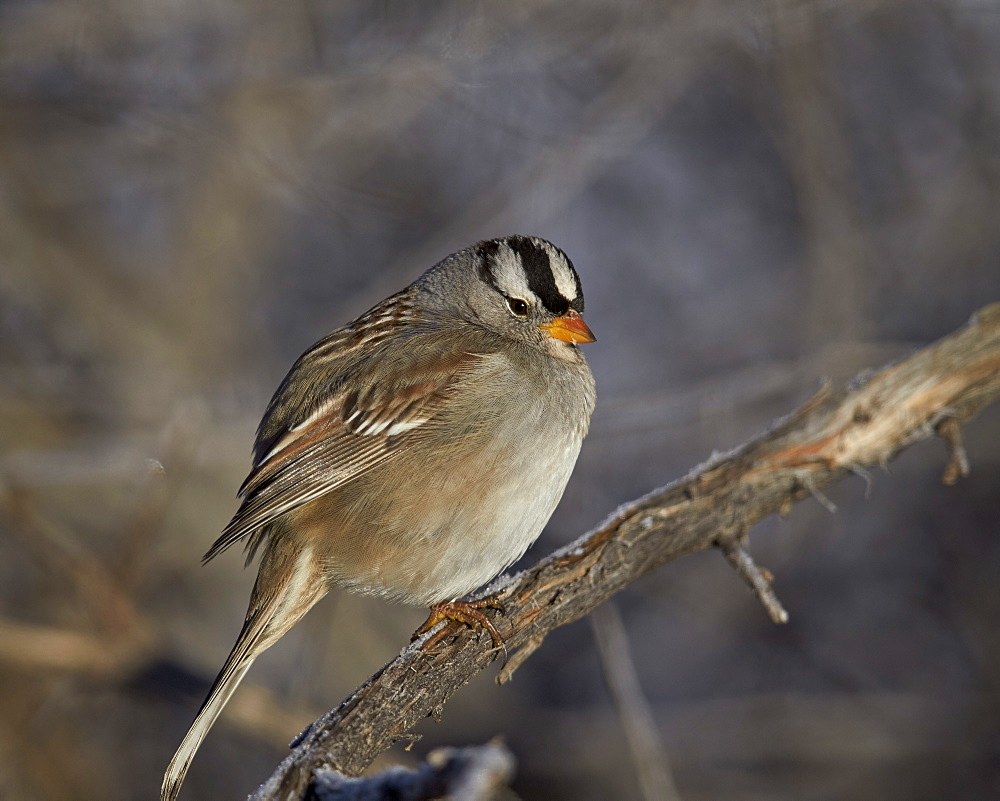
(518,307)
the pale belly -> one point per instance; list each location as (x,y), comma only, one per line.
(420,536)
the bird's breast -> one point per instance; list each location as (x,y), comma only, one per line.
(450,512)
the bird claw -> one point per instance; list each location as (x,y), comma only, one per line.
(468,612)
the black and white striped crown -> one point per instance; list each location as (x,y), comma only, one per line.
(518,265)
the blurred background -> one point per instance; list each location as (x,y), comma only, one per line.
(756,194)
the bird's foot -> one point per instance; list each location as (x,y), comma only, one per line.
(468,612)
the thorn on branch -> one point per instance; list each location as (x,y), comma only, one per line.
(858,470)
(518,658)
(759,579)
(950,430)
(821,396)
(810,484)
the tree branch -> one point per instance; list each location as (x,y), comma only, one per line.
(834,434)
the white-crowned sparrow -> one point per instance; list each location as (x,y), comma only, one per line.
(415,453)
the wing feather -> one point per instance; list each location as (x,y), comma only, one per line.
(316,435)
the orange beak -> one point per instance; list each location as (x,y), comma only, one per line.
(569,328)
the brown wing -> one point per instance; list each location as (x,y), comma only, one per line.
(340,433)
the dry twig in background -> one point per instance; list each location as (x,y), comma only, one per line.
(649,756)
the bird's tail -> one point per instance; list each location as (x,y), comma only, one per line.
(285,590)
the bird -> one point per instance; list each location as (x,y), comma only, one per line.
(415,453)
